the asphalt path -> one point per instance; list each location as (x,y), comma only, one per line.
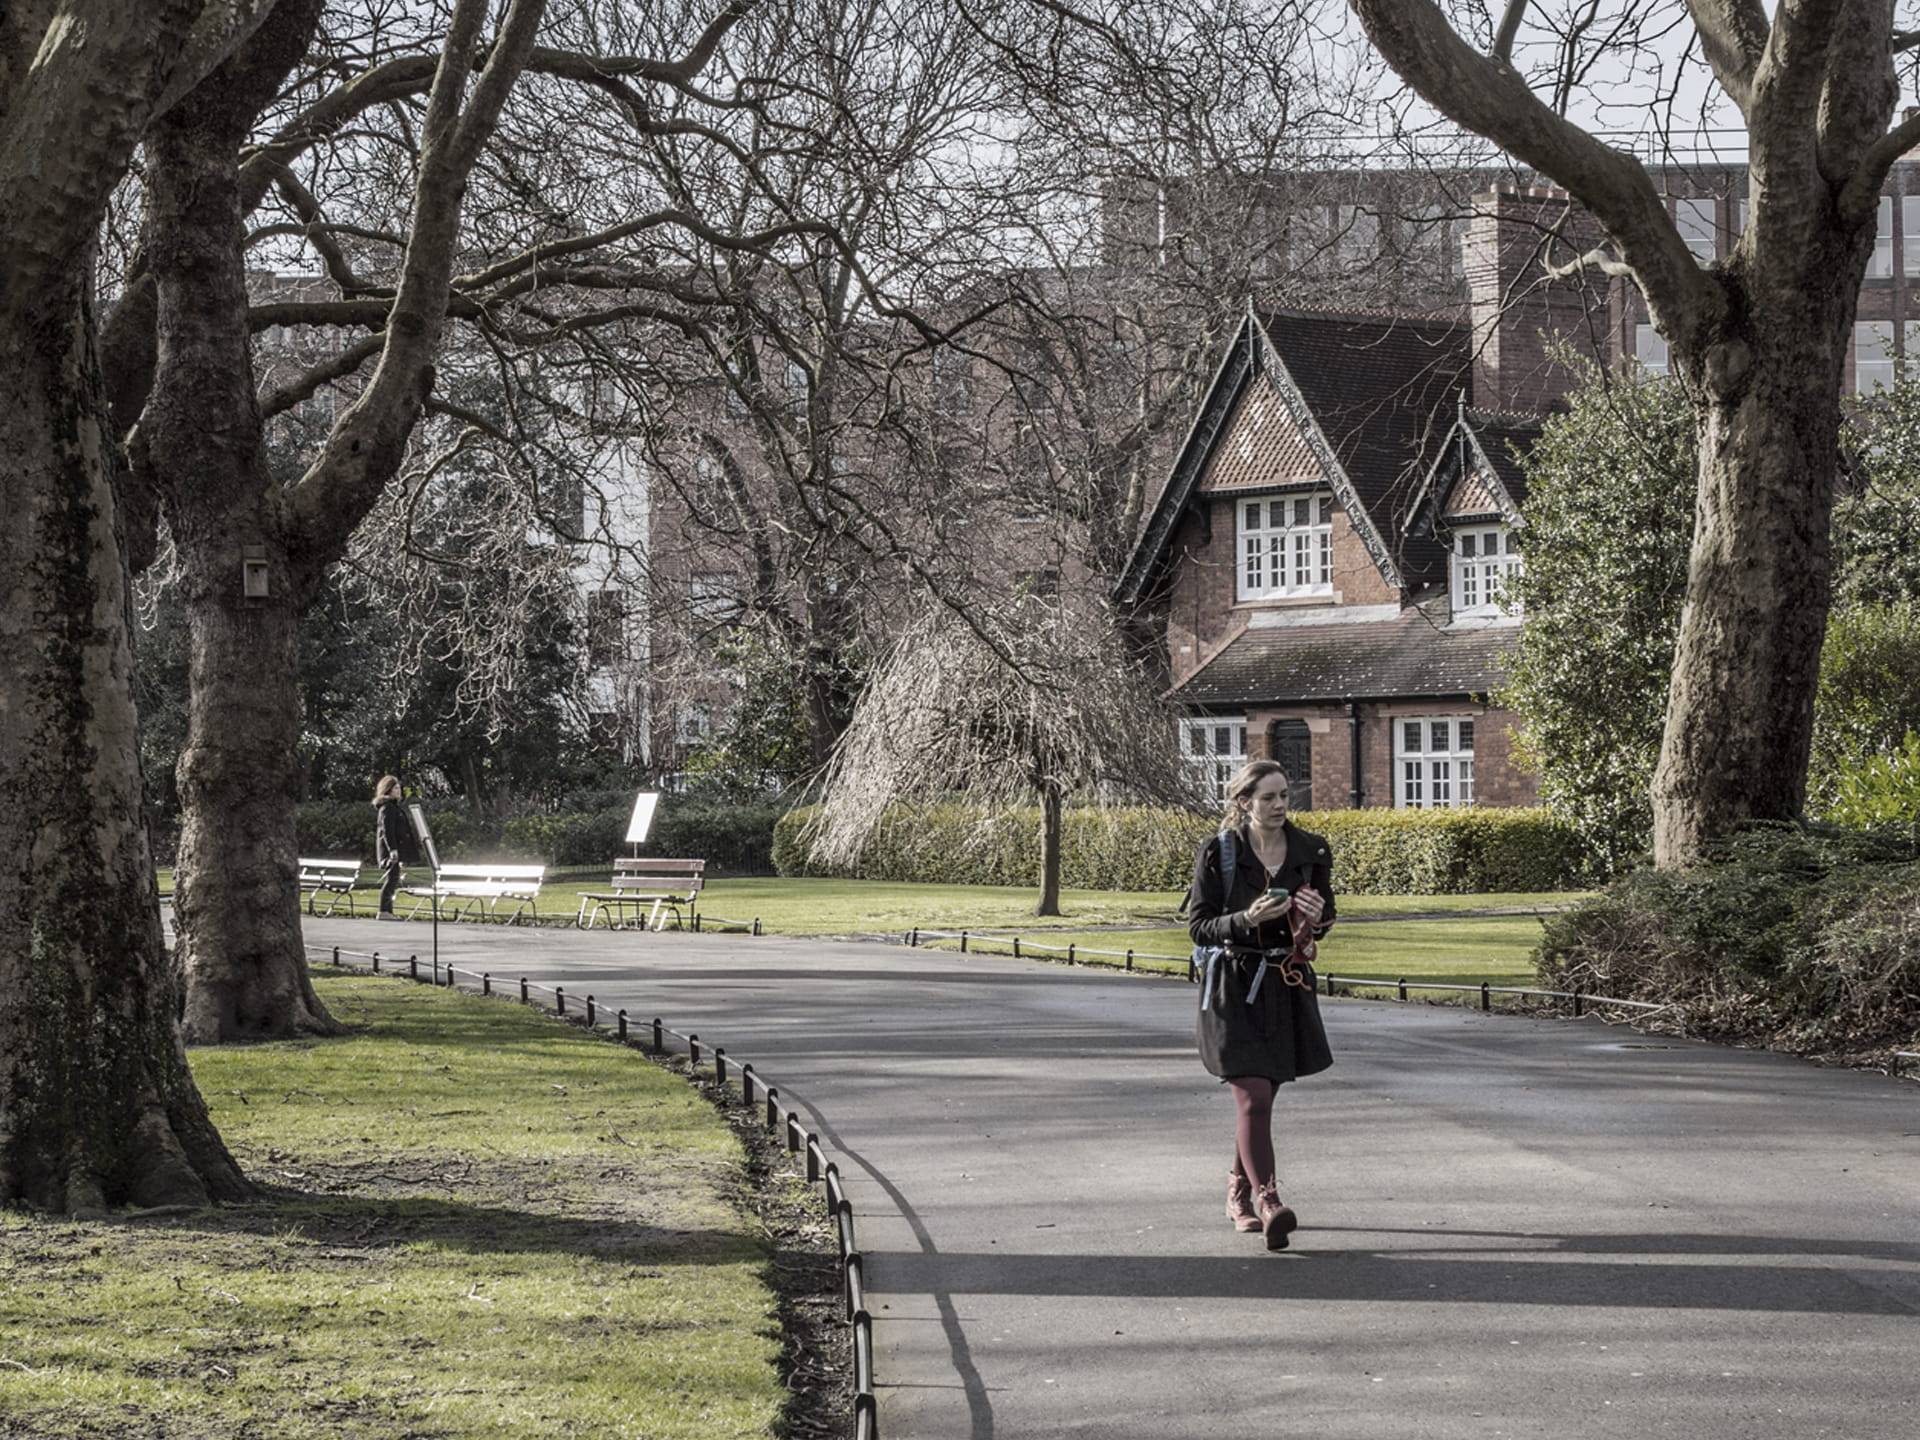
(1510,1227)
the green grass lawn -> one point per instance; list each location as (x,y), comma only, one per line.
(474,1222)
(849,907)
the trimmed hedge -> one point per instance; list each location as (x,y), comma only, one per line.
(734,839)
(1376,852)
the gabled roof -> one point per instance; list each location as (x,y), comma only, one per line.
(1484,449)
(1407,657)
(1371,394)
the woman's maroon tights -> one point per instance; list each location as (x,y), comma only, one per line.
(1253,1129)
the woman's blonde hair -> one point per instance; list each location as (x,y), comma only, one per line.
(389,786)
(1245,781)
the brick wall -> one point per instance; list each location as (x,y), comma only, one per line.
(1518,315)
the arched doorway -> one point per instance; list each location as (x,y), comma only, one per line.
(1290,742)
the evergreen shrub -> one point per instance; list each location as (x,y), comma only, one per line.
(1803,937)
(1376,852)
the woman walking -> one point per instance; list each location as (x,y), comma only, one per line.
(1262,896)
(393,844)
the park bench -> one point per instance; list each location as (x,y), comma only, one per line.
(657,886)
(332,878)
(458,889)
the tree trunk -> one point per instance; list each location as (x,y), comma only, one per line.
(1739,720)
(97,1106)
(1051,803)
(237,900)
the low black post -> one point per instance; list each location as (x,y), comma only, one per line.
(1070,959)
(1129,959)
(963,942)
(773,1106)
(746,1082)
(696,922)
(1329,983)
(1403,987)
(813,1158)
(1486,996)
(913,937)
(1579,1005)
(523,989)
(336,957)
(659,1037)
(590,1012)
(486,982)
(559,999)
(1016,947)
(693,1051)
(756,927)
(413,967)
(623,1027)
(793,1132)
(720,1064)
(376,962)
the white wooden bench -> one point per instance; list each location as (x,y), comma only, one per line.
(457,889)
(658,886)
(333,878)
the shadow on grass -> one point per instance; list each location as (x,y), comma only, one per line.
(355,1222)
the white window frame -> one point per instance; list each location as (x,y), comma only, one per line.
(1910,232)
(1875,363)
(1430,777)
(1279,554)
(1881,266)
(1215,746)
(1481,559)
(1650,349)
(1697,218)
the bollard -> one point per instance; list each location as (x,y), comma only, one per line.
(1578,1005)
(559,1000)
(590,1012)
(693,1052)
(720,1065)
(913,937)
(1486,996)
(756,927)
(773,1106)
(696,922)
(855,1287)
(793,1132)
(1016,947)
(376,962)
(659,1037)
(813,1158)
(963,942)
(1329,984)
(336,956)
(623,1027)
(486,982)
(523,989)
(1403,987)
(746,1082)
(413,967)
(1129,959)
(1070,959)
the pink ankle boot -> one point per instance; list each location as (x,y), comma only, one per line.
(1240,1202)
(1276,1218)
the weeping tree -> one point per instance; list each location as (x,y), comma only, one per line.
(1032,701)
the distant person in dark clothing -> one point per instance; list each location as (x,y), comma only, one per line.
(394,846)
(1255,920)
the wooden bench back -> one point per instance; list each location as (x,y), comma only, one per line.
(504,874)
(649,866)
(329,869)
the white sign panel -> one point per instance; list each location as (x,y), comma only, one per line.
(642,820)
(425,834)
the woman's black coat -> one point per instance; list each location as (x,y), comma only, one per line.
(393,835)
(1279,1034)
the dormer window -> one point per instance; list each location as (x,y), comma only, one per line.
(1286,546)
(1483,557)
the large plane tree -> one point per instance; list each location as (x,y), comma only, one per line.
(1758,339)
